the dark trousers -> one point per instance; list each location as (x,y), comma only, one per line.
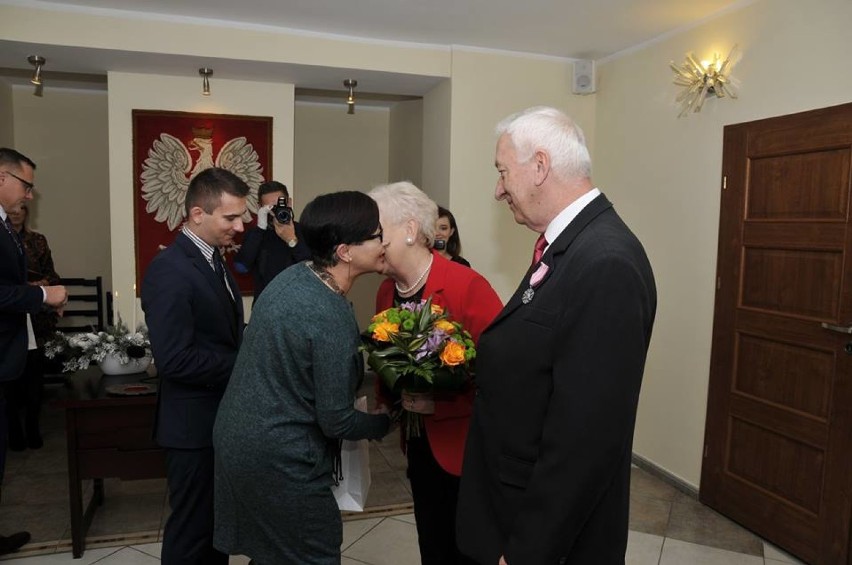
(23,398)
(4,433)
(188,535)
(435,493)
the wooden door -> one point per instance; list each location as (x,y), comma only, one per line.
(778,443)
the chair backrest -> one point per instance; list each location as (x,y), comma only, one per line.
(85,309)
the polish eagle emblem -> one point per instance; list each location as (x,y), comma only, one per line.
(171,165)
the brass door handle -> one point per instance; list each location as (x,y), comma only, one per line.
(838,329)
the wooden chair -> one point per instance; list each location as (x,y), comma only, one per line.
(85,309)
(83,313)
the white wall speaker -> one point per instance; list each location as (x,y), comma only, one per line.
(583,81)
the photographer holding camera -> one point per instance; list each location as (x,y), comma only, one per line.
(276,243)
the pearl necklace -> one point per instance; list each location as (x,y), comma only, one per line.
(402,290)
(325,277)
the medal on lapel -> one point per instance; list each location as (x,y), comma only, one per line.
(535,280)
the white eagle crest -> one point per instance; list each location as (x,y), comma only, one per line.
(169,168)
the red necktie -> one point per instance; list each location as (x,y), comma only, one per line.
(538,250)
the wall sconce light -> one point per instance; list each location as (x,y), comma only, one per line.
(700,80)
(350,100)
(38,62)
(205,85)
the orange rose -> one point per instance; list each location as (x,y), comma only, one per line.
(384,330)
(453,354)
(445,326)
(437,309)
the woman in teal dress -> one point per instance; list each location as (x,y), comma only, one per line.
(290,398)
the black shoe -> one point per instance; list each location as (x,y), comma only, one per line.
(17,443)
(34,441)
(13,542)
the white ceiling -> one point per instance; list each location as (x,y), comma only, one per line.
(578,29)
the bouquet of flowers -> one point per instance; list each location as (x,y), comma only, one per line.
(417,348)
(79,350)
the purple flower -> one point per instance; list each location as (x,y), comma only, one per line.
(433,342)
(410,306)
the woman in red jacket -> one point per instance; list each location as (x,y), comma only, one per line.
(416,272)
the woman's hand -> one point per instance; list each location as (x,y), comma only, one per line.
(419,402)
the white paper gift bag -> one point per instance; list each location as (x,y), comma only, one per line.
(351,491)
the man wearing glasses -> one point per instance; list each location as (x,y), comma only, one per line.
(18,300)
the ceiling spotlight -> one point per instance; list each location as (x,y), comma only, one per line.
(350,100)
(205,72)
(38,62)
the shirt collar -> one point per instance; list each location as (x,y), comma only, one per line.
(566,216)
(205,248)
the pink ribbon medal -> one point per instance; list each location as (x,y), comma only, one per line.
(535,280)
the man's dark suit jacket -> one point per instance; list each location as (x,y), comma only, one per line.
(265,255)
(546,474)
(195,333)
(16,299)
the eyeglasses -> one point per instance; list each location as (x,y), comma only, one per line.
(377,236)
(28,185)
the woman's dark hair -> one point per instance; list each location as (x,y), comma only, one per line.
(454,243)
(339,217)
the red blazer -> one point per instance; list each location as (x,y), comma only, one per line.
(469,299)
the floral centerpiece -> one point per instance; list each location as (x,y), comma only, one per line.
(116,342)
(417,348)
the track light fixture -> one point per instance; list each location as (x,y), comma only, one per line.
(38,62)
(350,100)
(205,87)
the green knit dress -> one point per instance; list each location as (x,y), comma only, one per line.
(289,401)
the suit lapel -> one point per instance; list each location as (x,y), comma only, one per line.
(555,251)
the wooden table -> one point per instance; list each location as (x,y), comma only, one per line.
(108,436)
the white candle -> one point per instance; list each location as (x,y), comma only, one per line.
(133,296)
(115,314)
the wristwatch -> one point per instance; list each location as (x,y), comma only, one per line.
(292,242)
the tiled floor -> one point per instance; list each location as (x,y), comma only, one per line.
(667,527)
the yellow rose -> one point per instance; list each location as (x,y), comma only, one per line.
(384,330)
(381,316)
(445,326)
(437,309)
(453,354)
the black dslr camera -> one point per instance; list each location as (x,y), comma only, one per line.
(282,213)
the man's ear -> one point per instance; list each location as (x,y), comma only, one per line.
(195,215)
(542,166)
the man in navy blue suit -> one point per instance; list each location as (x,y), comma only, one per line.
(17,299)
(194,314)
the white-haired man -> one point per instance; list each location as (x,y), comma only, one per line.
(546,473)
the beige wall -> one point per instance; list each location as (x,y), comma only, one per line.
(65,133)
(7,134)
(337,151)
(156,92)
(436,142)
(405,161)
(663,174)
(486,88)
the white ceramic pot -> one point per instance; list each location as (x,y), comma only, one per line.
(112,366)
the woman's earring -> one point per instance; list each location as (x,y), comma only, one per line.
(409,241)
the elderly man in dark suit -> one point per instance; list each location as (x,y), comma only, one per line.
(18,300)
(546,474)
(194,314)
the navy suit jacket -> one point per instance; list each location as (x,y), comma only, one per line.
(17,298)
(546,473)
(195,331)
